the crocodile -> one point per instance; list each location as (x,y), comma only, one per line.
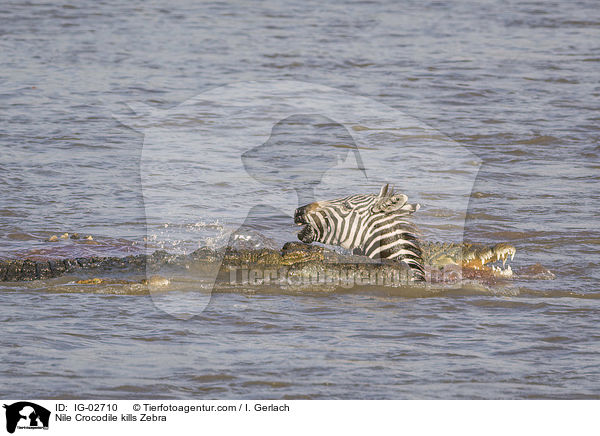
(444,262)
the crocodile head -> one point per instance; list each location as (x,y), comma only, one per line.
(476,261)
(486,257)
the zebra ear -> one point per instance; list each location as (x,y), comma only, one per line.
(384,190)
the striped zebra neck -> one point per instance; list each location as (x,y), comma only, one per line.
(393,238)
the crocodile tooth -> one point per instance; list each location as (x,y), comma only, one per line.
(512,255)
(503,261)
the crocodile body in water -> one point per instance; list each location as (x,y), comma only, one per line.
(443,262)
(374,227)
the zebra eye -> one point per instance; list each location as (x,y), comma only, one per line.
(346,205)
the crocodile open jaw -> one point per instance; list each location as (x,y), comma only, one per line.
(490,257)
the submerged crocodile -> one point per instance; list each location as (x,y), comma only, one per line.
(443,262)
(374,226)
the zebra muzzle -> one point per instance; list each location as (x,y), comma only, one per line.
(300,216)
(307,234)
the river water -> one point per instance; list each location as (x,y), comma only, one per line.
(151,126)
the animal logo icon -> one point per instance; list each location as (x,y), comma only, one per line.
(302,148)
(228,156)
(25,414)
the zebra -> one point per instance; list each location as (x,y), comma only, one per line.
(371,225)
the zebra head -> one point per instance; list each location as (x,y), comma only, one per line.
(371,225)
